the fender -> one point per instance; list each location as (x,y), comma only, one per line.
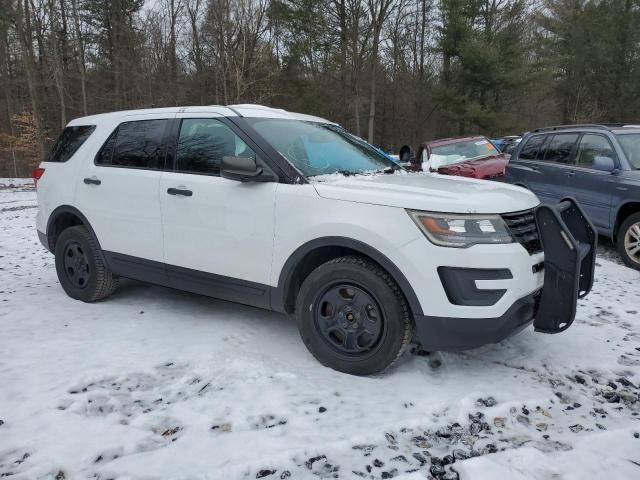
(278,294)
(74,211)
(615,212)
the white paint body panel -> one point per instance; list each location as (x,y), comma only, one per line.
(248,231)
(302,216)
(429,192)
(124,209)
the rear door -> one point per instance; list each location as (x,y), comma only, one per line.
(593,188)
(524,169)
(118,191)
(218,233)
(554,167)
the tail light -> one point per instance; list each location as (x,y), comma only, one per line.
(37,175)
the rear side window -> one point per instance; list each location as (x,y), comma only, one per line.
(135,145)
(70,140)
(203,143)
(560,147)
(531,149)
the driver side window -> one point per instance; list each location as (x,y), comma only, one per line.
(204,142)
(592,146)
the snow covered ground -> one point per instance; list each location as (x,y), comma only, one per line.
(156,384)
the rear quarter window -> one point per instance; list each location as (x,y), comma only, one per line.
(532,148)
(70,140)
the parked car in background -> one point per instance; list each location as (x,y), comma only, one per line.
(599,165)
(509,144)
(474,157)
(497,142)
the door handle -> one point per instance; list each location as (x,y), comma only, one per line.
(570,173)
(92,181)
(178,191)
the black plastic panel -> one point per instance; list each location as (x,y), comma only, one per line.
(460,285)
(569,241)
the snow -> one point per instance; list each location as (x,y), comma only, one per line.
(155,383)
(337,177)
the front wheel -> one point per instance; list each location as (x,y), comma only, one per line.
(352,316)
(629,241)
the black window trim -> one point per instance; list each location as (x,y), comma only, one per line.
(48,155)
(163,145)
(285,170)
(616,160)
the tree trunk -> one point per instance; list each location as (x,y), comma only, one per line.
(26,39)
(58,70)
(81,56)
(379,10)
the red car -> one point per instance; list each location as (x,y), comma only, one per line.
(474,157)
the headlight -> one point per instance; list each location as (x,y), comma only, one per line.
(460,231)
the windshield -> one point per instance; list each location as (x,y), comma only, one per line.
(320,148)
(461,151)
(630,143)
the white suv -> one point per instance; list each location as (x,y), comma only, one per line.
(291,213)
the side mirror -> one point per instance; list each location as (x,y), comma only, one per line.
(605,164)
(243,169)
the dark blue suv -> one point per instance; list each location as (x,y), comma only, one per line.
(599,165)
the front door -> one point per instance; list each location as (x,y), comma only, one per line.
(218,233)
(592,188)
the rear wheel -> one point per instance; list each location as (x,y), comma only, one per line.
(81,269)
(353,317)
(629,241)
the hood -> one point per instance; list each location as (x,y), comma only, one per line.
(486,167)
(426,191)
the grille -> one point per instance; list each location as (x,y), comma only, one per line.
(522,226)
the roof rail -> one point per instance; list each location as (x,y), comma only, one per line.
(602,126)
(565,127)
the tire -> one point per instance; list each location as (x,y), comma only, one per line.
(353,317)
(628,241)
(81,268)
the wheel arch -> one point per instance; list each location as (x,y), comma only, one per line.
(316,252)
(624,210)
(63,217)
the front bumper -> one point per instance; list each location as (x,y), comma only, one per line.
(569,242)
(446,333)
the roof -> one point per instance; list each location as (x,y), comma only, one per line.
(450,140)
(242,110)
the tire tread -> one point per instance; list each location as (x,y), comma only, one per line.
(405,312)
(106,282)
